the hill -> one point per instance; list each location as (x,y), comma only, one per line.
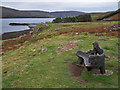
(66,13)
(111,16)
(13,13)
(103,15)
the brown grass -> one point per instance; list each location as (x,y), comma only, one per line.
(15,44)
(114,17)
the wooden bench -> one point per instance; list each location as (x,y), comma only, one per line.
(93,59)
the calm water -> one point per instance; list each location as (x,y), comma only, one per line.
(7,28)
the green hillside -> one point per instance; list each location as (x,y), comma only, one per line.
(108,15)
(47,58)
(94,16)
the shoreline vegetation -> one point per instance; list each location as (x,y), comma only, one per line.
(79,18)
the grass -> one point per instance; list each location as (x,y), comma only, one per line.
(95,15)
(27,67)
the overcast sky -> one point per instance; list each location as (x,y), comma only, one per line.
(63,5)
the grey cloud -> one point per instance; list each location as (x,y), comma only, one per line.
(61,6)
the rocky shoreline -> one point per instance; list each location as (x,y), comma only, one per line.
(10,35)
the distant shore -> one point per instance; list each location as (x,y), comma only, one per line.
(10,35)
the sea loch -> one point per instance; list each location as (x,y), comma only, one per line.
(7,28)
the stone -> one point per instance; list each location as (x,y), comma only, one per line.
(31,32)
(46,24)
(57,29)
(43,50)
(97,72)
(76,33)
(102,38)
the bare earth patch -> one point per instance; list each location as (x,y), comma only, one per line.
(69,46)
(76,72)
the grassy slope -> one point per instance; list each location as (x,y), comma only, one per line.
(110,15)
(114,17)
(28,67)
(103,15)
(96,15)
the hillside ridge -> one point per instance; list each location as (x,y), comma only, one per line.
(14,13)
